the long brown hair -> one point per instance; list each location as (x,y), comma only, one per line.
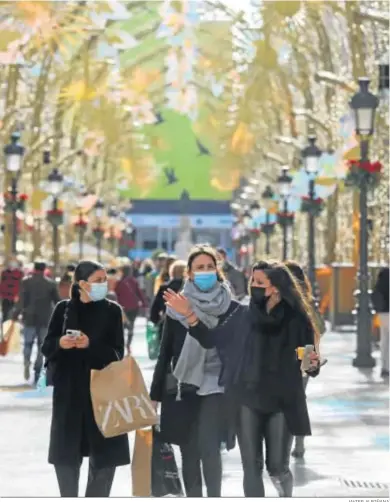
(290,290)
(299,274)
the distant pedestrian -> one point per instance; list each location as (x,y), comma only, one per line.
(158,308)
(10,281)
(130,298)
(147,279)
(380,300)
(235,277)
(74,433)
(298,273)
(163,277)
(38,296)
(66,282)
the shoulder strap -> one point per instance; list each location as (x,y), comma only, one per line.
(66,313)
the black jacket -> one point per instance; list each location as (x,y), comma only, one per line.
(232,339)
(158,308)
(38,296)
(380,294)
(73,428)
(176,416)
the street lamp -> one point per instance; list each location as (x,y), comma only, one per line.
(55,183)
(254,209)
(364,105)
(13,153)
(311,160)
(268,202)
(112,220)
(99,230)
(81,223)
(285,220)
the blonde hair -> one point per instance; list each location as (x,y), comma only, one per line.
(177,269)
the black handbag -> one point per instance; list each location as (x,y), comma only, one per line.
(51,365)
(173,388)
(165,474)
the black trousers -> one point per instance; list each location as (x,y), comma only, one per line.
(256,428)
(131,317)
(6,308)
(204,450)
(99,480)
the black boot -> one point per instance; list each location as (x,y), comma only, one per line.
(284,484)
(299,450)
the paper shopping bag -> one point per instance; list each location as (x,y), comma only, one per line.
(9,337)
(141,465)
(120,400)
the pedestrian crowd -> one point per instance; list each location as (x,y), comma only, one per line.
(229,372)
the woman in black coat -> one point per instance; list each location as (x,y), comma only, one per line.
(157,310)
(74,433)
(258,349)
(186,378)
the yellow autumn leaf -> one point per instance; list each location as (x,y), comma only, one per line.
(7,37)
(78,91)
(126,166)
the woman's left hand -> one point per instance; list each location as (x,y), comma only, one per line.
(314,362)
(82,342)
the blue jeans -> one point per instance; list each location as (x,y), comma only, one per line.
(31,334)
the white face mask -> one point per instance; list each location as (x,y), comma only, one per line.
(13,264)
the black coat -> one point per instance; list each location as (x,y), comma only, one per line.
(380,294)
(158,308)
(38,296)
(232,339)
(74,432)
(177,416)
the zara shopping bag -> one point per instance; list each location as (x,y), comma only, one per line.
(141,464)
(120,399)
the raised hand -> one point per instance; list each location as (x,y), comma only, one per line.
(178,302)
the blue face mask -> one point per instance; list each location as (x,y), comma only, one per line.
(205,280)
(98,291)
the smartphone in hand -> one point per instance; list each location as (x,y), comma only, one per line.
(73,333)
(306,361)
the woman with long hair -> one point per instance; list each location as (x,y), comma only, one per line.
(303,280)
(96,341)
(158,308)
(163,276)
(186,378)
(261,374)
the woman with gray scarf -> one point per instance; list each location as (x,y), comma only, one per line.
(186,378)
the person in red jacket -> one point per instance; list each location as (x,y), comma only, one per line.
(131,298)
(10,281)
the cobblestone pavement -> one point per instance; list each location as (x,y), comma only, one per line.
(347,456)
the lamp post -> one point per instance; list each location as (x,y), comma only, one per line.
(311,160)
(254,210)
(13,153)
(364,104)
(285,218)
(55,182)
(268,228)
(99,230)
(112,219)
(81,224)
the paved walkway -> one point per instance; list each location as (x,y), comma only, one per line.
(347,456)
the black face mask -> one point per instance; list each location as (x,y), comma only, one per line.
(258,295)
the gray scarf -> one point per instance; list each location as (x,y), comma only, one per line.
(208,306)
